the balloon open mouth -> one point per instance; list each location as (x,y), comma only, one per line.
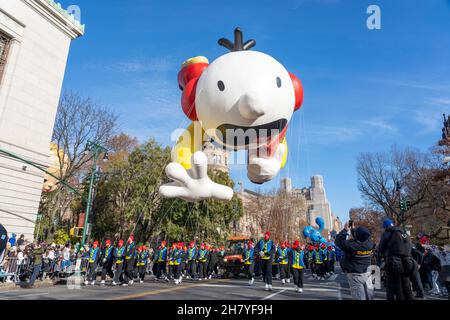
(241,136)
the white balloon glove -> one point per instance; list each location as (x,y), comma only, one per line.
(194,184)
(260,170)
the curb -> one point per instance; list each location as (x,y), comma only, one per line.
(16,286)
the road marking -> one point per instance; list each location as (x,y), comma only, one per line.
(222,285)
(282,289)
(339,295)
(22,295)
(153,292)
(273,294)
(333,277)
(319,289)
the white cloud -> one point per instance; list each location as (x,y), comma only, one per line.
(324,134)
(439,101)
(353,131)
(133,65)
(429,117)
(382,125)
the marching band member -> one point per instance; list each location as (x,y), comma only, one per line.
(249,262)
(94,258)
(266,250)
(283,261)
(190,257)
(107,261)
(298,265)
(178,257)
(171,257)
(331,255)
(119,254)
(320,258)
(130,256)
(161,261)
(141,264)
(202,258)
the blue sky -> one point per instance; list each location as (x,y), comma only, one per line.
(364,89)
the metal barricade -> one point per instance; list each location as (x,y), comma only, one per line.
(12,268)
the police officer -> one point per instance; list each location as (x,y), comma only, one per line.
(395,247)
(107,261)
(249,262)
(266,251)
(119,254)
(283,261)
(94,257)
(296,257)
(190,258)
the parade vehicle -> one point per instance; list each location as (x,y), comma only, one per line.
(233,263)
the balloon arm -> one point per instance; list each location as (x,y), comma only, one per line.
(260,170)
(193,184)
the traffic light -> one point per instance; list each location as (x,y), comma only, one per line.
(408,204)
(402,205)
(76,232)
(405,205)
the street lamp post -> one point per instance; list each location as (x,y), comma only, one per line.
(96,150)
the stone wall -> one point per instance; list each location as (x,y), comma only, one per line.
(29,93)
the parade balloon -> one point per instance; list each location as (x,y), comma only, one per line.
(243,100)
(315,234)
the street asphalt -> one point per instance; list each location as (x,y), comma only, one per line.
(335,288)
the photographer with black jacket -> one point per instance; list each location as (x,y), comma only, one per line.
(357,259)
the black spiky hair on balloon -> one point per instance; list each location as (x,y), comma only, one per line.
(238,44)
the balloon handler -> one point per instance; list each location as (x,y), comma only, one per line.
(243,100)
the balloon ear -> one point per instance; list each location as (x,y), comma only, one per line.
(190,72)
(191,69)
(298,88)
(188,99)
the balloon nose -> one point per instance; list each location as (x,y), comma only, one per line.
(250,108)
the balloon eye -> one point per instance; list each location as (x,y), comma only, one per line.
(221,85)
(278,82)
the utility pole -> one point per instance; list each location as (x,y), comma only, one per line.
(96,150)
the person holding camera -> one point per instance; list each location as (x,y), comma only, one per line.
(358,251)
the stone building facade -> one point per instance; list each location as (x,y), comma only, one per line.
(314,197)
(217,157)
(35,37)
(311,201)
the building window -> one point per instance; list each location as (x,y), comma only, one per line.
(217,159)
(4,48)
